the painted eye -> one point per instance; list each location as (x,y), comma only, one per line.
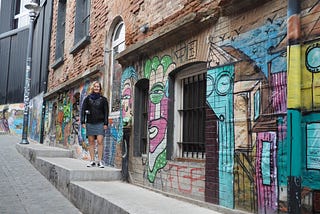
(223,84)
(313,58)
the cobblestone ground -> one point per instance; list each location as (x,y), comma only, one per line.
(23,189)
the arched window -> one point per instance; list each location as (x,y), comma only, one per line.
(118,45)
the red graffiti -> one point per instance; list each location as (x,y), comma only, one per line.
(185,177)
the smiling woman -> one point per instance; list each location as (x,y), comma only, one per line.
(94,117)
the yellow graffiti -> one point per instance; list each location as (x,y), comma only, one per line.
(294,76)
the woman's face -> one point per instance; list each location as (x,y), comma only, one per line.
(96,88)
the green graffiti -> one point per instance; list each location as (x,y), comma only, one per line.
(166,61)
(152,65)
(160,162)
(157,92)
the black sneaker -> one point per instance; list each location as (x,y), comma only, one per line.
(91,164)
(100,164)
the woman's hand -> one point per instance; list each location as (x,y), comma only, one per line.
(105,127)
(84,125)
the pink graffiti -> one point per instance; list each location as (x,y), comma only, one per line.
(158,124)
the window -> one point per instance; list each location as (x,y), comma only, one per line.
(118,45)
(21,15)
(141,117)
(265,163)
(256,105)
(190,112)
(313,146)
(82,25)
(60,36)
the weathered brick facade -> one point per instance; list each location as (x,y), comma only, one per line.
(241,49)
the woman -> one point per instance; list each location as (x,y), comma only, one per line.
(94,117)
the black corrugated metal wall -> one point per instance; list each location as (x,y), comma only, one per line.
(13,51)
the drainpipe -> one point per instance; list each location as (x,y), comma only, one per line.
(294,140)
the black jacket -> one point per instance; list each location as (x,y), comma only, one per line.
(95,111)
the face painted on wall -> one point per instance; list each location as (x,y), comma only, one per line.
(126,102)
(157,92)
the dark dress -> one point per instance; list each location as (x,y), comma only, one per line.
(95,113)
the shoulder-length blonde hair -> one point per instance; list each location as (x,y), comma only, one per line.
(92,85)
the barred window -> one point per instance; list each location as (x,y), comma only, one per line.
(190,98)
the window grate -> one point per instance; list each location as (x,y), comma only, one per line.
(193,116)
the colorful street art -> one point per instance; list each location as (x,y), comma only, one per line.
(246,90)
(256,110)
(63,129)
(157,70)
(128,79)
(11,118)
(35,119)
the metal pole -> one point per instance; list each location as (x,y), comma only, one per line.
(294,132)
(25,127)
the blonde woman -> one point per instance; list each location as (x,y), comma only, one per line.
(94,118)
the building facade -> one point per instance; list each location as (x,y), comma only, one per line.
(14,30)
(215,101)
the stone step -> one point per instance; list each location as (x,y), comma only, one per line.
(122,198)
(33,150)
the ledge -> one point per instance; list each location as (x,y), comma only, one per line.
(82,43)
(72,82)
(166,36)
(57,63)
(230,7)
(13,32)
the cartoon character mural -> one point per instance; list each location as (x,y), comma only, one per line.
(157,70)
(129,76)
(4,125)
(239,92)
(11,118)
(221,101)
(62,118)
(35,117)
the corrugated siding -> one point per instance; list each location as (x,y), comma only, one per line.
(4,64)
(5,16)
(13,51)
(18,52)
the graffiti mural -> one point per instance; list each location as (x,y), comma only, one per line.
(157,70)
(4,125)
(11,118)
(128,79)
(62,126)
(35,119)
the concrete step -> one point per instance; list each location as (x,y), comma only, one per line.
(122,198)
(96,190)
(33,150)
(61,171)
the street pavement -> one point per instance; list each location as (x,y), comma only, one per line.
(23,189)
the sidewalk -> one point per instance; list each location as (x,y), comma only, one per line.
(23,190)
(95,190)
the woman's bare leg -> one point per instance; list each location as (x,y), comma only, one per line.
(91,147)
(100,146)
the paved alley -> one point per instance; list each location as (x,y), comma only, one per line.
(23,189)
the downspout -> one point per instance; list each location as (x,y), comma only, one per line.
(294,140)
